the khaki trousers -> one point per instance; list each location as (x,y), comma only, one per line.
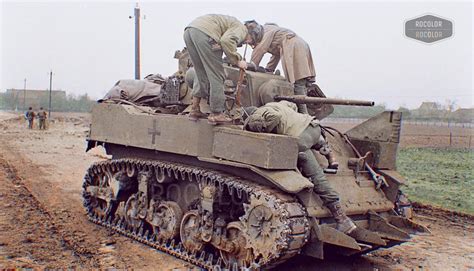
(208,65)
(310,167)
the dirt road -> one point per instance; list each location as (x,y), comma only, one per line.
(43,224)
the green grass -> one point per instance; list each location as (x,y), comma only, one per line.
(441,177)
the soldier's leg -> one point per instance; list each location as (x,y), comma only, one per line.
(301,89)
(211,60)
(193,82)
(311,169)
(200,81)
(215,70)
(213,64)
(310,166)
(211,57)
(191,37)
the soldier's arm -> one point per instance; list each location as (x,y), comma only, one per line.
(273,63)
(229,41)
(260,50)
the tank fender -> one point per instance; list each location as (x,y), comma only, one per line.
(290,181)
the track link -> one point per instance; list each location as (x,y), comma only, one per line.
(289,219)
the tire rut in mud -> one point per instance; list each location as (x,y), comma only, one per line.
(30,235)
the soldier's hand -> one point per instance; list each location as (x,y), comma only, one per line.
(242,64)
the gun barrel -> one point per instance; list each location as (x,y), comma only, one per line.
(303,99)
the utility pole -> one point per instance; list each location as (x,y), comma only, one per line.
(137,42)
(24,96)
(50,91)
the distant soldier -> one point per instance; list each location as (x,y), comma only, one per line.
(295,56)
(30,116)
(42,115)
(283,118)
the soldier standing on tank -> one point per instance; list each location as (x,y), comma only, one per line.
(295,56)
(30,116)
(207,38)
(282,118)
(42,115)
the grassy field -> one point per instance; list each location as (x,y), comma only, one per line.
(441,177)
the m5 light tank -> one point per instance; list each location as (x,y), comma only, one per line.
(220,197)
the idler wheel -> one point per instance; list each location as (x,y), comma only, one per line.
(236,253)
(167,217)
(190,231)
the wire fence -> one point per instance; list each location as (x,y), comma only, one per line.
(410,122)
(440,140)
(433,134)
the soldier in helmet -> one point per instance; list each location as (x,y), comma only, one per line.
(207,38)
(30,116)
(295,56)
(282,118)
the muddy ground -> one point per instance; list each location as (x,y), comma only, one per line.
(43,224)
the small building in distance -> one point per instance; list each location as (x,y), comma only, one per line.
(429,110)
(463,115)
(21,99)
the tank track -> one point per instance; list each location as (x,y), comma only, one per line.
(291,218)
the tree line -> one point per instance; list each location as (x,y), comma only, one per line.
(438,112)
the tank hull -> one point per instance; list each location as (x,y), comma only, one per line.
(153,152)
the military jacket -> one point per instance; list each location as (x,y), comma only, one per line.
(279,118)
(293,51)
(42,115)
(227,31)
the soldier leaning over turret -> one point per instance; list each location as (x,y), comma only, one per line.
(295,56)
(282,118)
(207,38)
(30,116)
(42,115)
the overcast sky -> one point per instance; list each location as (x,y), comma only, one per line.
(359,48)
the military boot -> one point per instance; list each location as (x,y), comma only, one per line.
(218,118)
(195,112)
(344,223)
